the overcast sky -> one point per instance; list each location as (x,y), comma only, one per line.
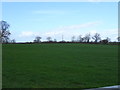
(54,19)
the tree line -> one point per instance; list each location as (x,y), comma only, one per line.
(85,39)
(5,34)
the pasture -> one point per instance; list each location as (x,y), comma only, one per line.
(63,65)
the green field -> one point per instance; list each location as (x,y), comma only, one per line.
(59,65)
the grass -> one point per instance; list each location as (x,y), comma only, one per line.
(59,65)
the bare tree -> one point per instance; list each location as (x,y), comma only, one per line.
(96,37)
(38,39)
(108,39)
(55,40)
(4,32)
(84,39)
(73,38)
(49,39)
(13,41)
(118,38)
(87,38)
(80,38)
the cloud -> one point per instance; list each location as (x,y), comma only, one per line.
(92,32)
(53,33)
(28,34)
(111,33)
(69,31)
(79,26)
(72,28)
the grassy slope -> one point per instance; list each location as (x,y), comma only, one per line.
(59,65)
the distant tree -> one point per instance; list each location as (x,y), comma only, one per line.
(4,32)
(80,38)
(55,40)
(87,38)
(37,39)
(96,37)
(73,38)
(104,41)
(49,39)
(13,41)
(118,38)
(84,39)
(108,39)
